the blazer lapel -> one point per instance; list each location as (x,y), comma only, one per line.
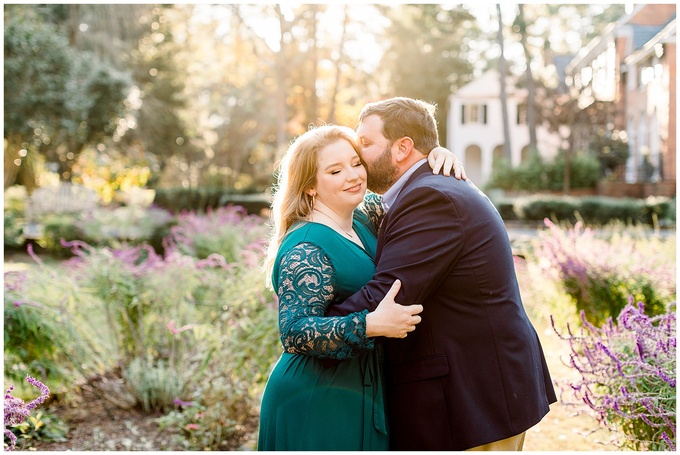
(384,223)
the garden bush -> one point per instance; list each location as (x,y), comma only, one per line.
(122,225)
(537,174)
(627,375)
(181,328)
(52,328)
(200,200)
(213,232)
(594,210)
(599,271)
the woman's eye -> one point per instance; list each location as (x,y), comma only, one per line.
(358,164)
(335,172)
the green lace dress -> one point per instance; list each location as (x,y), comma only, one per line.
(325,391)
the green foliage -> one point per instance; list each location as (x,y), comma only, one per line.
(214,232)
(131,225)
(611,150)
(600,273)
(14,229)
(199,200)
(536,174)
(39,427)
(552,207)
(48,328)
(433,39)
(593,210)
(58,99)
(188,328)
(155,385)
(58,227)
(37,67)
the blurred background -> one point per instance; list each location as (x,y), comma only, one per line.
(200,95)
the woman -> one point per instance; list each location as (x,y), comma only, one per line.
(325,392)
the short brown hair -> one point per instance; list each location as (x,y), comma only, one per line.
(403,116)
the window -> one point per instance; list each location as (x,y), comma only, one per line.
(645,72)
(474,113)
(521,114)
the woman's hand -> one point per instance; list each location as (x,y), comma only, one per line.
(442,159)
(391,319)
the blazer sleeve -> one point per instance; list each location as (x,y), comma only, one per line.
(423,240)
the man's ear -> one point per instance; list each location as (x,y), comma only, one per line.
(404,148)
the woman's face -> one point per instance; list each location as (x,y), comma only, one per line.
(340,177)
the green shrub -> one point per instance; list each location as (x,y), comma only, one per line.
(200,200)
(536,174)
(593,210)
(58,227)
(541,207)
(225,231)
(128,224)
(49,328)
(180,328)
(600,274)
(155,384)
(14,230)
(14,211)
(43,426)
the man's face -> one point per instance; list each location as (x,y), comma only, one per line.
(376,152)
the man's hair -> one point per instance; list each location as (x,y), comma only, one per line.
(403,116)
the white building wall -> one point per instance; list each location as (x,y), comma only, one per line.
(465,138)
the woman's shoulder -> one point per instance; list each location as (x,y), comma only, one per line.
(319,235)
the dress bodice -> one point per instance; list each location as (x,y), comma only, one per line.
(317,267)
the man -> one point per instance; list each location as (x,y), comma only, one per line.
(472,375)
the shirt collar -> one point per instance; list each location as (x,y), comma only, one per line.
(391,195)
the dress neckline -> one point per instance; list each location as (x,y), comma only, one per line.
(355,225)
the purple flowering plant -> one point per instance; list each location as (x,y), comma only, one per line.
(627,375)
(16,410)
(597,272)
(225,231)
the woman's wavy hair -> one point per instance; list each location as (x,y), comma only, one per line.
(295,176)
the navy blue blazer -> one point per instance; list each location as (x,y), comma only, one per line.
(473,371)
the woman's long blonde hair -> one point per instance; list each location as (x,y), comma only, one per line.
(296,175)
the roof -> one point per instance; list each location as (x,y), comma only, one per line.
(486,86)
(643,33)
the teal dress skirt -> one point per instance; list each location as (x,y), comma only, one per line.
(325,391)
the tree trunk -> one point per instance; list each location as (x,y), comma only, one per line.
(531,86)
(281,77)
(338,69)
(507,151)
(314,57)
(74,19)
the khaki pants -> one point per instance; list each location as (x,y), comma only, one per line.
(514,443)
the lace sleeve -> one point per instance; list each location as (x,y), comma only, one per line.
(372,206)
(306,288)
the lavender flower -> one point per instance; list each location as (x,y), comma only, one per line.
(626,379)
(16,410)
